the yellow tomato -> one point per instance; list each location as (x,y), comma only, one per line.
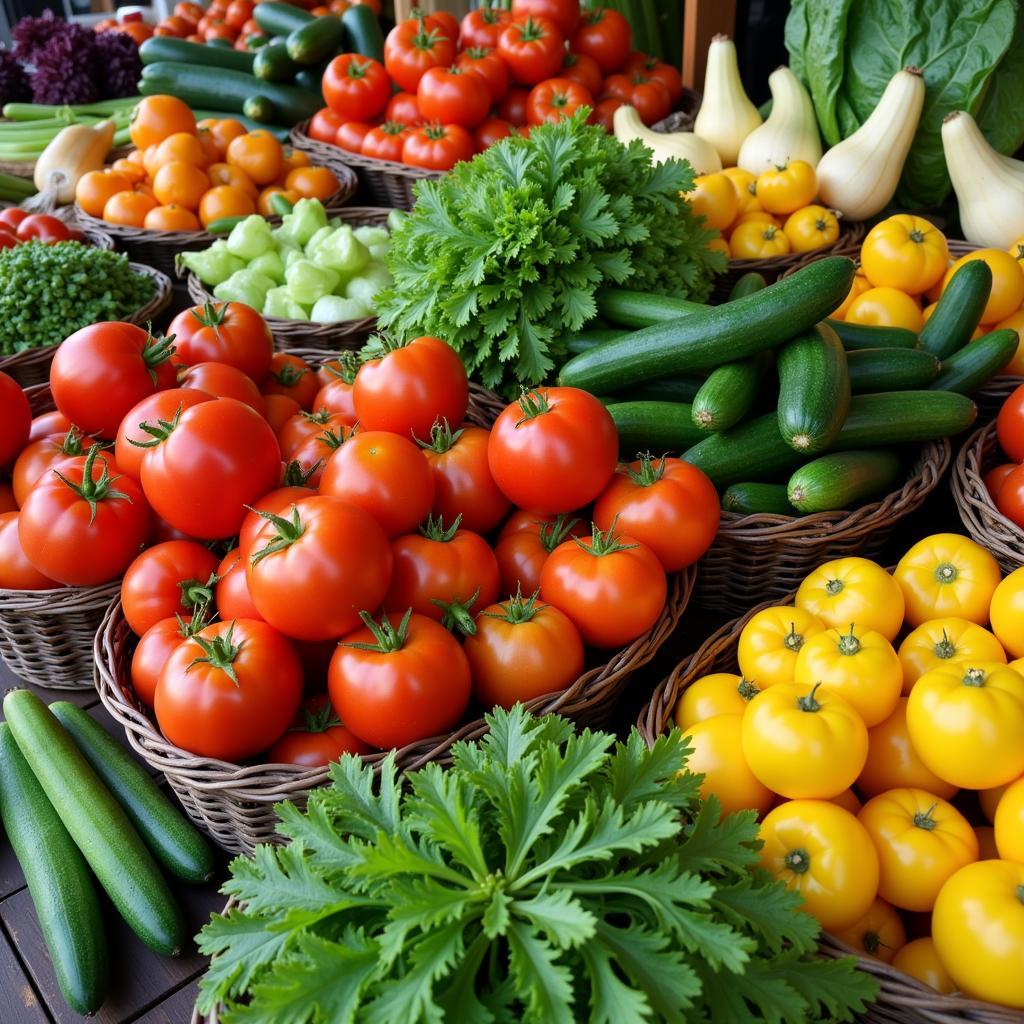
(749,216)
(904,252)
(718,756)
(859,665)
(978,928)
(893,763)
(1018,665)
(947,574)
(885,307)
(860,285)
(803,742)
(853,590)
(785,188)
(745,184)
(770,642)
(719,243)
(966,722)
(1017,251)
(721,693)
(1014,322)
(879,933)
(946,641)
(714,198)
(987,849)
(812,227)
(825,854)
(920,960)
(847,800)
(1007,283)
(1009,823)
(756,240)
(989,799)
(1007,613)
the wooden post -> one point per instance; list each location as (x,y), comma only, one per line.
(703,19)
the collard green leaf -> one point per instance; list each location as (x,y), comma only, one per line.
(1000,114)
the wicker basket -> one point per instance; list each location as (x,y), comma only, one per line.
(302,333)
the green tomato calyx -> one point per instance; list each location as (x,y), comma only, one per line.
(798,861)
(848,643)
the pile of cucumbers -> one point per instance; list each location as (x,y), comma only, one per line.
(77,809)
(279,82)
(788,412)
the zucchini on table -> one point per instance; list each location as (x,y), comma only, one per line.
(970,368)
(814,389)
(658,427)
(842,480)
(728,394)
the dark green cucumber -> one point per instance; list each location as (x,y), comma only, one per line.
(855,336)
(728,394)
(720,334)
(747,284)
(160,48)
(658,427)
(958,310)
(970,368)
(316,41)
(900,417)
(98,824)
(260,109)
(274,64)
(641,309)
(173,840)
(363,34)
(280,19)
(890,369)
(752,451)
(843,480)
(757,499)
(814,389)
(668,389)
(591,339)
(58,880)
(310,78)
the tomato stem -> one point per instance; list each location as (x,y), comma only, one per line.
(556,531)
(288,532)
(603,543)
(442,437)
(288,376)
(747,689)
(220,653)
(792,641)
(534,403)
(848,643)
(945,572)
(156,351)
(974,677)
(343,367)
(649,473)
(389,640)
(196,595)
(434,529)
(211,315)
(334,439)
(807,702)
(530,30)
(94,491)
(458,614)
(945,648)
(517,609)
(159,432)
(924,819)
(834,587)
(798,861)
(871,941)
(318,720)
(295,475)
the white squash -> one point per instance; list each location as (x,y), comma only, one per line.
(666,145)
(859,175)
(989,187)
(791,131)
(74,151)
(726,114)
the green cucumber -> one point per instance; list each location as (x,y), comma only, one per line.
(668,389)
(311,79)
(970,368)
(752,451)
(728,394)
(173,840)
(749,499)
(747,284)
(58,880)
(259,108)
(855,336)
(842,480)
(958,311)
(655,426)
(890,369)
(160,48)
(363,34)
(219,43)
(720,334)
(278,19)
(641,309)
(900,417)
(98,824)
(814,389)
(315,41)
(273,63)
(591,339)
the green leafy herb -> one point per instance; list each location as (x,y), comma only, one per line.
(548,877)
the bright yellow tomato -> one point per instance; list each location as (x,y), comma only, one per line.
(721,244)
(825,854)
(859,665)
(771,641)
(904,252)
(987,849)
(947,574)
(1009,823)
(946,641)
(803,742)
(756,240)
(714,198)
(784,189)
(857,590)
(989,799)
(920,960)
(885,307)
(860,285)
(978,928)
(1007,613)
(1007,282)
(812,227)
(921,840)
(966,722)
(1017,251)
(879,933)
(893,763)
(718,756)
(758,215)
(721,693)
(745,184)
(847,800)
(1014,322)
(1017,665)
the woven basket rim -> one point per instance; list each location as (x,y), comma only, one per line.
(850,236)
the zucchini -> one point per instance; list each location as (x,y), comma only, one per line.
(728,394)
(311,79)
(668,389)
(641,309)
(97,823)
(842,480)
(890,369)
(854,336)
(260,109)
(969,369)
(278,19)
(753,451)
(363,34)
(272,63)
(315,41)
(161,48)
(900,417)
(747,284)
(655,426)
(174,841)
(58,880)
(719,334)
(590,339)
(958,310)
(757,499)
(814,389)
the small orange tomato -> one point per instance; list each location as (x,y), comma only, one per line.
(129,169)
(183,147)
(1007,292)
(257,153)
(225,201)
(128,208)
(920,961)
(292,158)
(811,227)
(94,188)
(180,184)
(263,201)
(225,174)
(156,117)
(860,285)
(171,218)
(224,130)
(312,182)
(720,244)
(211,150)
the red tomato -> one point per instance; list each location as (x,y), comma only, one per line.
(16,571)
(238,13)
(605,35)
(513,107)
(493,130)
(156,645)
(7,502)
(443,20)
(610,585)
(300,428)
(164,405)
(344,364)
(489,66)
(603,113)
(994,478)
(1010,500)
(279,502)
(54,422)
(583,70)
(356,88)
(188,11)
(218,458)
(437,147)
(385,142)
(669,505)
(324,125)
(8,239)
(618,87)
(532,49)
(224,332)
(351,134)
(524,545)
(403,108)
(522,649)
(1010,425)
(564,13)
(664,73)
(85,526)
(412,47)
(316,737)
(336,398)
(555,99)
(40,456)
(649,97)
(223,381)
(163,531)
(102,371)
(312,456)
(279,410)
(554,450)
(292,376)
(43,227)
(15,419)
(412,684)
(12,217)
(385,475)
(173,578)
(232,591)
(230,691)
(483,26)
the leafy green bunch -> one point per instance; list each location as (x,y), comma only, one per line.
(502,256)
(548,877)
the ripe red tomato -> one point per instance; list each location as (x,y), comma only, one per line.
(218,458)
(445,21)
(669,505)
(238,13)
(385,475)
(525,544)
(403,108)
(664,73)
(555,99)
(513,107)
(223,381)
(163,405)
(14,215)
(343,365)
(230,691)
(173,578)
(605,35)
(649,97)
(54,422)
(16,571)
(412,47)
(483,26)
(489,66)
(7,502)
(316,737)
(554,450)
(994,478)
(1010,500)
(101,371)
(156,645)
(603,113)
(532,49)
(8,239)
(38,457)
(453,96)
(324,125)
(279,502)
(618,87)
(315,452)
(356,88)
(224,332)
(522,649)
(43,227)
(1010,425)
(564,13)
(232,592)
(336,398)
(15,419)
(437,147)
(386,140)
(610,585)
(414,684)
(293,377)
(301,427)
(493,130)
(86,525)
(584,70)
(280,409)
(351,134)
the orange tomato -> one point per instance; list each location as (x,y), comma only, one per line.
(225,201)
(721,244)
(225,174)
(138,30)
(190,11)
(224,130)
(312,182)
(180,184)
(171,218)
(183,147)
(177,25)
(885,307)
(860,285)
(145,187)
(257,153)
(149,160)
(1015,322)
(263,202)
(714,197)
(211,151)
(128,208)
(292,158)
(94,188)
(206,122)
(156,117)
(238,13)
(221,32)
(135,157)
(129,169)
